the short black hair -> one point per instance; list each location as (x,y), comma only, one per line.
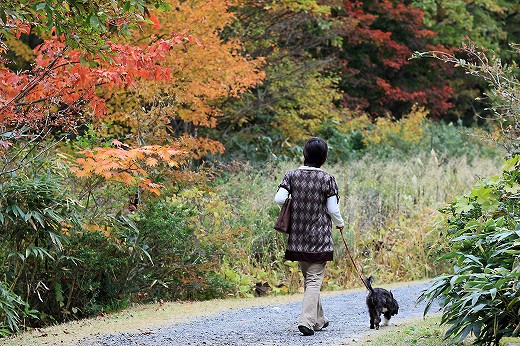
(315,152)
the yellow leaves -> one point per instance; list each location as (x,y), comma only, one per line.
(106,231)
(358,123)
(299,6)
(304,102)
(205,69)
(409,129)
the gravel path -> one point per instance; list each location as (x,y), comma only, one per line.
(271,324)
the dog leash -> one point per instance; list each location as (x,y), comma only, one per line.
(353,262)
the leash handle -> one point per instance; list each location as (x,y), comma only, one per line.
(353,262)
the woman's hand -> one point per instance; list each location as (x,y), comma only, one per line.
(340,228)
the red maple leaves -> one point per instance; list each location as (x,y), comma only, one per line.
(378,48)
(62,85)
(60,92)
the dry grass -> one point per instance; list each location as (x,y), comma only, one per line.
(390,208)
(417,331)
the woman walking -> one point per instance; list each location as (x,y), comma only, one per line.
(315,206)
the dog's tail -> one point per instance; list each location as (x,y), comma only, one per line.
(368,281)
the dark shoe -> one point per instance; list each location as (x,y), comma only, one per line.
(306,331)
(325,325)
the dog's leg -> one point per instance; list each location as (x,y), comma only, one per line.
(372,313)
(377,318)
(387,318)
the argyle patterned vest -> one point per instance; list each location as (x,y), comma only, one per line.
(311,226)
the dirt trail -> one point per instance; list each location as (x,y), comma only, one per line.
(271,324)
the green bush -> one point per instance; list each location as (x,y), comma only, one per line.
(35,214)
(94,275)
(182,265)
(65,268)
(147,256)
(455,140)
(12,311)
(55,265)
(448,140)
(482,295)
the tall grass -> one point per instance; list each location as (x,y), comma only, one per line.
(390,210)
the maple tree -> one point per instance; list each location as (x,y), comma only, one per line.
(42,105)
(203,71)
(59,93)
(67,88)
(360,50)
(377,75)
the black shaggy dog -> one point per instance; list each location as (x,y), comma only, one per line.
(380,301)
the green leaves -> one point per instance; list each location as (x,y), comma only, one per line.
(512,164)
(35,215)
(463,205)
(481,296)
(81,22)
(11,310)
(480,20)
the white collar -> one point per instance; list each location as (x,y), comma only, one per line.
(310,168)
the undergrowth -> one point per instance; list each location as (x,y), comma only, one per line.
(390,208)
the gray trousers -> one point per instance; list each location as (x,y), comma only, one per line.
(312,313)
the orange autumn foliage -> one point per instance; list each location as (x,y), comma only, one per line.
(61,86)
(122,163)
(204,70)
(143,84)
(61,91)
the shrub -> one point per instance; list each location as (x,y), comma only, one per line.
(183,265)
(219,234)
(407,131)
(455,140)
(482,296)
(93,276)
(35,216)
(12,310)
(412,135)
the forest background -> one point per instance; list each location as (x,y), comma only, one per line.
(142,142)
